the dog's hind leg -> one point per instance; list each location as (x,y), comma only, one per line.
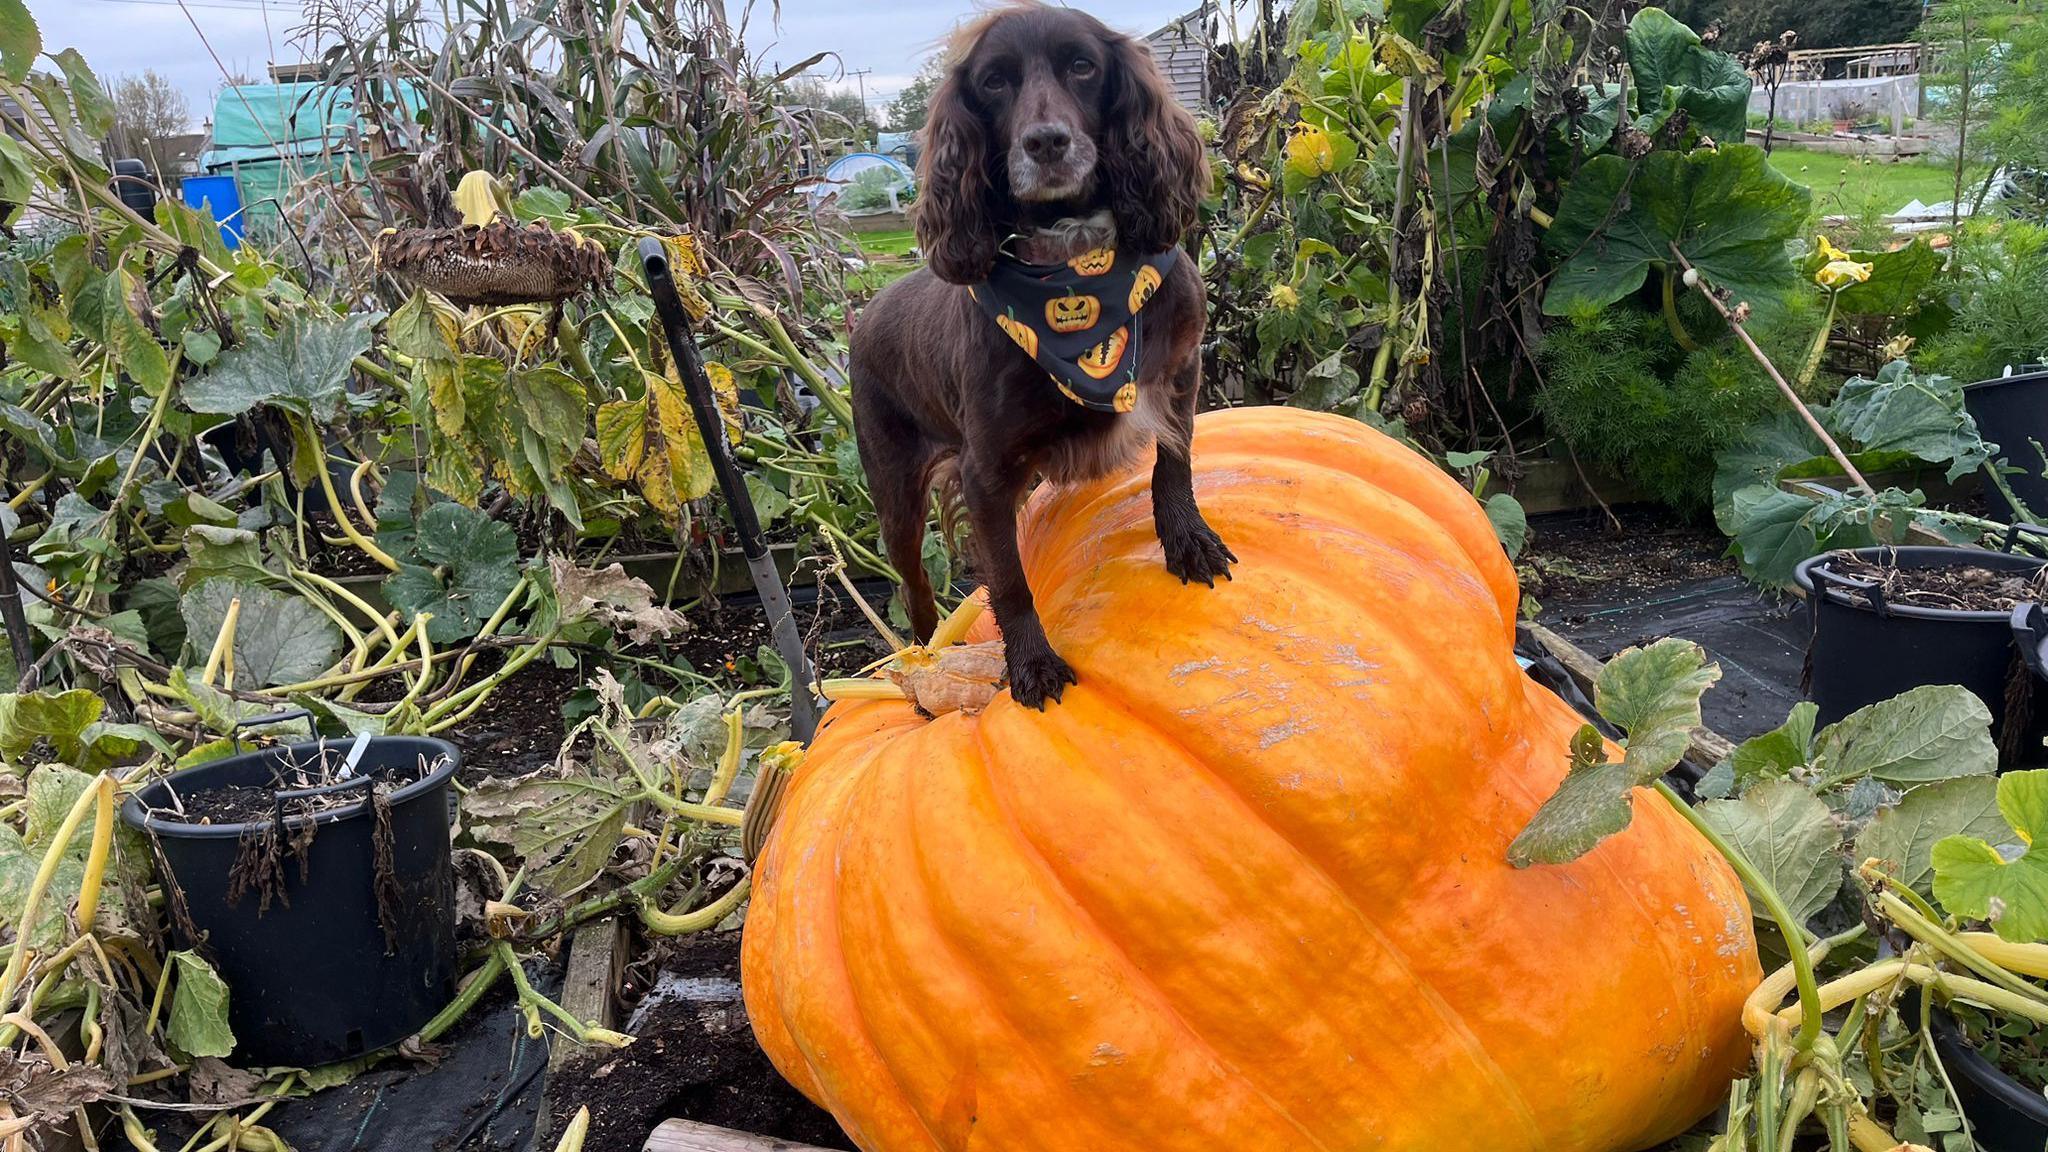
(898,461)
(1193,550)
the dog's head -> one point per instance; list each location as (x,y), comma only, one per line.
(1047,112)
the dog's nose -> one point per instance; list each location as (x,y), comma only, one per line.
(1047,143)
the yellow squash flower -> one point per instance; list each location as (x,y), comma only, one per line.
(1839,272)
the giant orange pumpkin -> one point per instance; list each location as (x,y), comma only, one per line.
(1246,886)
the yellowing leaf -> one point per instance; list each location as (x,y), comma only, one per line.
(726,392)
(476,197)
(444,393)
(622,437)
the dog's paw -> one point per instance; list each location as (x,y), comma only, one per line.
(1038,679)
(1198,555)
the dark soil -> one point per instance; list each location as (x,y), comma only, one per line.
(521,727)
(1963,589)
(245,804)
(1577,555)
(343,559)
(836,634)
(693,1059)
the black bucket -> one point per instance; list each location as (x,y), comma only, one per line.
(314,978)
(2012,412)
(2005,1115)
(1865,649)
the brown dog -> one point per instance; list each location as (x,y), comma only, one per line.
(1051,140)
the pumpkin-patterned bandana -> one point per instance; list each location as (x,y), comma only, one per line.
(1079,320)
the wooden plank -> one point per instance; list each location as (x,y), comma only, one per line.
(597,959)
(686,1136)
(1707,747)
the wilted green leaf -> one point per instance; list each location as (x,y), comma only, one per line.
(1975,880)
(1673,70)
(1593,803)
(1933,732)
(1509,521)
(59,717)
(542,203)
(129,339)
(214,552)
(302,368)
(1652,694)
(198,1022)
(1900,411)
(1903,837)
(20,40)
(1777,752)
(1788,836)
(425,328)
(469,564)
(94,108)
(1727,210)
(279,638)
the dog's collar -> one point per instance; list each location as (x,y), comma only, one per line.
(1080,319)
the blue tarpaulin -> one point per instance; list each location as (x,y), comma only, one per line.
(272,138)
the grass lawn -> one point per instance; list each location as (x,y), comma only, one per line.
(888,257)
(1853,186)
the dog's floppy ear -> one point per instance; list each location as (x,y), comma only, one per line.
(954,218)
(1153,165)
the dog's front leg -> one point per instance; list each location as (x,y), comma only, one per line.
(1194,552)
(1037,674)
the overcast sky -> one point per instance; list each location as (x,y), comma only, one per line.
(889,37)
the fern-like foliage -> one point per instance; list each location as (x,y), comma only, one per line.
(1621,391)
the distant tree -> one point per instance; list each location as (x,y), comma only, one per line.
(148,109)
(1833,24)
(842,113)
(908,110)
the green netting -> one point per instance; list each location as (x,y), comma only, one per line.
(277,138)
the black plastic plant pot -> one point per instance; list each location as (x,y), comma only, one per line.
(2005,1115)
(351,953)
(1866,649)
(2012,412)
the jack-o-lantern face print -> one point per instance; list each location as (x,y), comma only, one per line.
(1022,333)
(1072,313)
(1126,396)
(1103,359)
(1095,262)
(1144,286)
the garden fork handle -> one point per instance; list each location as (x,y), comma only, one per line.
(682,345)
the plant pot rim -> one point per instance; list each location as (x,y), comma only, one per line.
(2030,374)
(1977,557)
(140,816)
(1967,1062)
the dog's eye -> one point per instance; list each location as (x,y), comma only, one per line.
(1082,68)
(994,82)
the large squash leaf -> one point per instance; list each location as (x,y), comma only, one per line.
(468,564)
(1674,71)
(1727,210)
(279,639)
(1903,412)
(1786,833)
(302,368)
(1903,837)
(1933,732)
